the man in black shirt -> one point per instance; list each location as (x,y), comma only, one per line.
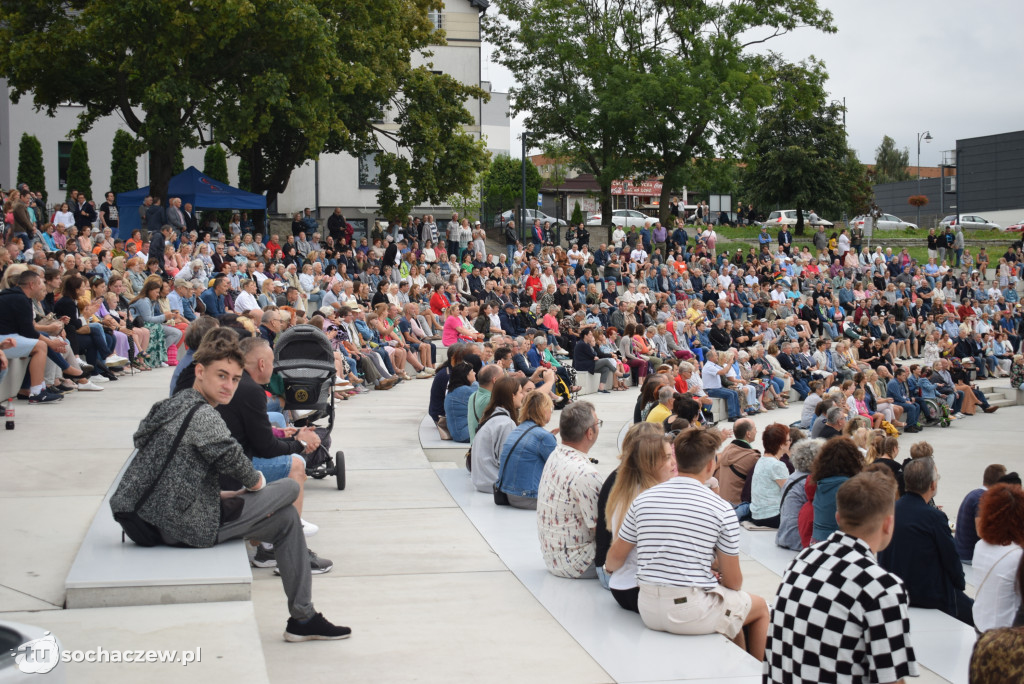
(108,213)
(247,421)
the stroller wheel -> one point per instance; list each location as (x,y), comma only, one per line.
(339,470)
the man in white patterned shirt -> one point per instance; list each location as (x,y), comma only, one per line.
(839,616)
(567,496)
(687,551)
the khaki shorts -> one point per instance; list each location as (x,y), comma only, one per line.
(693,610)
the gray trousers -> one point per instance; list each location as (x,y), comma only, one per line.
(606,367)
(269,516)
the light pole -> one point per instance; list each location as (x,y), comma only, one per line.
(927,137)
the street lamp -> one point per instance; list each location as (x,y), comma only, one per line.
(927,137)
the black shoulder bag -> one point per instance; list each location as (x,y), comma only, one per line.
(500,497)
(132,525)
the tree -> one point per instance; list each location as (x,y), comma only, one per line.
(577,214)
(322,76)
(177,162)
(124,162)
(799,156)
(558,155)
(502,183)
(215,163)
(244,175)
(642,87)
(890,162)
(79,175)
(30,164)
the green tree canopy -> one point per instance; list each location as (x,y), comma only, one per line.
(642,87)
(322,75)
(79,175)
(30,164)
(124,162)
(891,162)
(502,183)
(799,157)
(215,163)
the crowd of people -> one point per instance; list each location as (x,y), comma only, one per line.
(872,344)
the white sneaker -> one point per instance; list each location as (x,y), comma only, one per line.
(308,528)
(89,386)
(958,415)
(99,378)
(113,361)
(164,365)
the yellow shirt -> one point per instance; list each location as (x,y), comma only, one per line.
(658,414)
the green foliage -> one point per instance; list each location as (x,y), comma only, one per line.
(79,175)
(798,158)
(30,164)
(468,206)
(577,214)
(642,87)
(215,163)
(502,183)
(124,162)
(315,79)
(244,174)
(177,162)
(890,162)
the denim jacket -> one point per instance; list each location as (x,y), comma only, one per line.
(520,471)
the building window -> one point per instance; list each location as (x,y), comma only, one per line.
(63,160)
(437,19)
(369,171)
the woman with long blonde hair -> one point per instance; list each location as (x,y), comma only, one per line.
(647,459)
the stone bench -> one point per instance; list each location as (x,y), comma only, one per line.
(10,385)
(617,639)
(941,643)
(108,572)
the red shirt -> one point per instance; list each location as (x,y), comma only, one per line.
(439,303)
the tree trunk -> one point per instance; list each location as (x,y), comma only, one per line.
(606,209)
(161,169)
(664,201)
(799,220)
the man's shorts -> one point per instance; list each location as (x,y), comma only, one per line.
(693,610)
(23,346)
(276,468)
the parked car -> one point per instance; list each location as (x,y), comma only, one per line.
(626,218)
(969,222)
(788,217)
(885,222)
(500,220)
(1017,227)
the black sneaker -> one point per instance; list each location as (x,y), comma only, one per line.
(264,558)
(316,629)
(45,397)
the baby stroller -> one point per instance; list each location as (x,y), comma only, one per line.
(305,361)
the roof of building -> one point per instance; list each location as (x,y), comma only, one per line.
(480,4)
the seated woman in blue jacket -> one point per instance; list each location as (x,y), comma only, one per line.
(526,450)
(461,384)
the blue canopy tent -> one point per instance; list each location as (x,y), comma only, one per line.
(193,187)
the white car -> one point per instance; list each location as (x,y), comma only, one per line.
(885,222)
(969,222)
(788,217)
(625,218)
(501,220)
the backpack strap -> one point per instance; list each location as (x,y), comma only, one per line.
(174,448)
(790,486)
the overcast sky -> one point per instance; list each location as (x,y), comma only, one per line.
(906,66)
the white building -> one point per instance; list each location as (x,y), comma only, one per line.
(336,180)
(341,180)
(55,137)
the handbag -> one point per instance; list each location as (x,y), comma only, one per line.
(500,497)
(138,530)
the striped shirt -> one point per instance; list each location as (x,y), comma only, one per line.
(677,526)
